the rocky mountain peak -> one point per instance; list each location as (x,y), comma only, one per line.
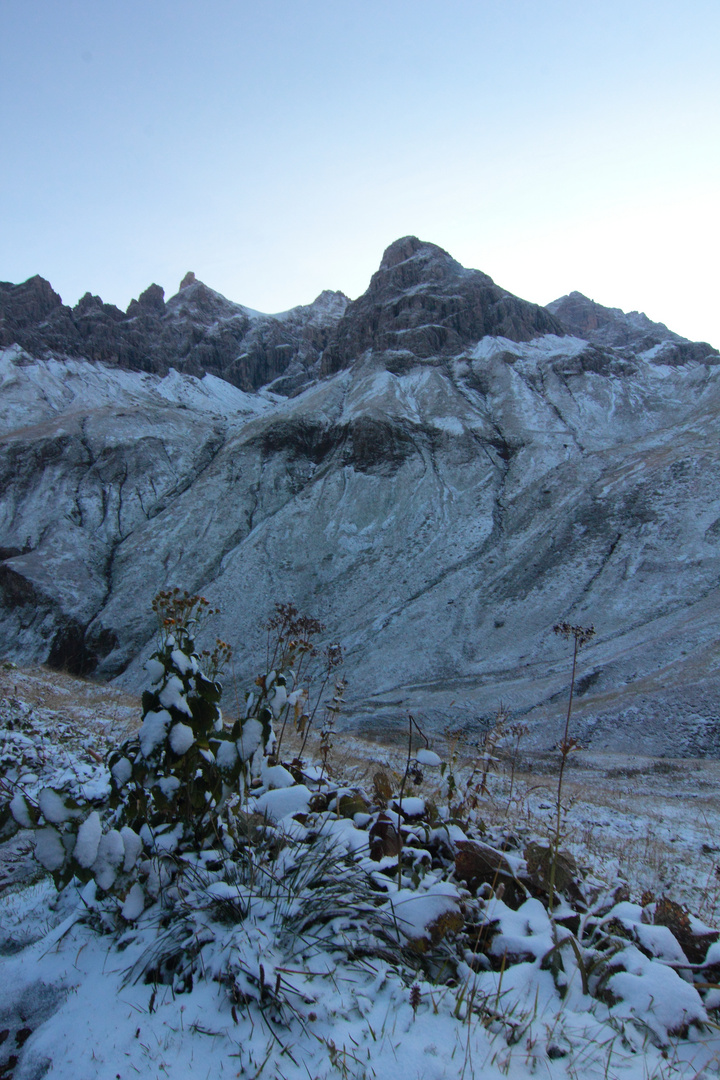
(606,326)
(420,306)
(87,304)
(196,300)
(329,305)
(422,303)
(25,305)
(409,247)
(410,261)
(150,302)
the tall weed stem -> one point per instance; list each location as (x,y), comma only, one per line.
(580,636)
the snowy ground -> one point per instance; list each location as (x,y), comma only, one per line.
(72,1004)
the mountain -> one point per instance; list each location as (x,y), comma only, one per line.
(439,470)
(197,331)
(611,326)
(423,304)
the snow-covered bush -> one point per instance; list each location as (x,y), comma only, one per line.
(170,785)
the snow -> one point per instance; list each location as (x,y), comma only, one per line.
(183,662)
(340,1009)
(226,754)
(153,731)
(451,424)
(155,670)
(278,700)
(526,931)
(412,806)
(654,992)
(39,389)
(546,346)
(110,857)
(275,776)
(132,846)
(428,757)
(181,738)
(172,695)
(88,840)
(52,806)
(284,802)
(134,904)
(19,810)
(49,849)
(169,785)
(122,771)
(250,739)
(660,941)
(114,1023)
(345,835)
(416,911)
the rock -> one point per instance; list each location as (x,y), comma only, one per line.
(24,308)
(150,302)
(384,839)
(540,859)
(450,922)
(351,803)
(424,304)
(610,326)
(197,331)
(695,945)
(479,864)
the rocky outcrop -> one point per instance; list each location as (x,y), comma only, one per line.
(423,304)
(632,330)
(24,308)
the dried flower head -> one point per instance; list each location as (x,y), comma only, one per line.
(581,634)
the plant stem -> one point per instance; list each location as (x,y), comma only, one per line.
(564,752)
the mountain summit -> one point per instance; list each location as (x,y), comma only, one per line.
(611,326)
(421,303)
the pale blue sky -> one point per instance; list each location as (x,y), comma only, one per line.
(276,148)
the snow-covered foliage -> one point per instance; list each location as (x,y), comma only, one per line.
(168,790)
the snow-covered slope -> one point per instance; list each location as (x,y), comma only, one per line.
(439,511)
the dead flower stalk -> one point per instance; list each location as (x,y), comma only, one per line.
(580,636)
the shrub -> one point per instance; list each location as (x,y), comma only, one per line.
(169,785)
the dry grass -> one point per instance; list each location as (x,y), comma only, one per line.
(93,709)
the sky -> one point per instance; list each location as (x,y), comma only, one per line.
(277,148)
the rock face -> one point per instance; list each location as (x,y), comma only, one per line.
(633,330)
(422,303)
(439,506)
(197,331)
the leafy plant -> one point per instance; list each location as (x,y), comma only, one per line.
(170,785)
